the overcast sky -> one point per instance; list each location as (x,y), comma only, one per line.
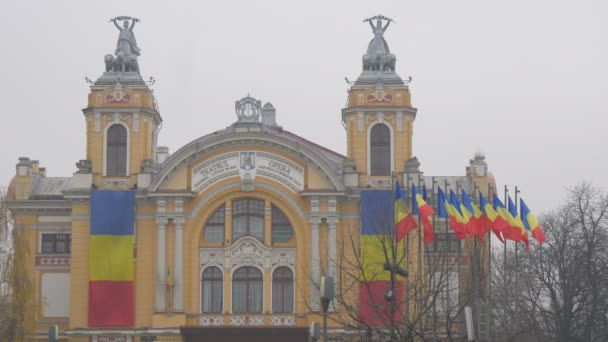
(522,81)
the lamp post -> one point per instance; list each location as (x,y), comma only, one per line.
(327,295)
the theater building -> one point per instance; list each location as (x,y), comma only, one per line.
(230,233)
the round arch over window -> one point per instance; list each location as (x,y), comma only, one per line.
(282,290)
(248,218)
(214,228)
(247,290)
(116,151)
(380,150)
(212,290)
(281,227)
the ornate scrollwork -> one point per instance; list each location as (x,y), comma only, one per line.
(248,109)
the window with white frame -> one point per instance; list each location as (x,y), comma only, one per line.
(380,150)
(116,152)
(247,290)
(212,290)
(56,243)
(282,290)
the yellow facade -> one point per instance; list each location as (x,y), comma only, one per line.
(317,191)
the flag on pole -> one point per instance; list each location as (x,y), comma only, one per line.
(464,213)
(421,208)
(510,231)
(476,226)
(491,218)
(404,221)
(517,223)
(447,210)
(531,223)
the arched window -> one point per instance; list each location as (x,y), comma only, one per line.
(281,228)
(116,153)
(282,290)
(248,218)
(214,229)
(212,287)
(247,290)
(380,150)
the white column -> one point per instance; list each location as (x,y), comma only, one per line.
(178,268)
(331,248)
(315,262)
(161,266)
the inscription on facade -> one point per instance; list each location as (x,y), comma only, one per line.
(248,164)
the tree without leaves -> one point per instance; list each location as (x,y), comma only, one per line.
(423,293)
(17,304)
(562,293)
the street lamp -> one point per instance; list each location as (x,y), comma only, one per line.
(327,295)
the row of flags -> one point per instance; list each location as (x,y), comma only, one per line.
(465,217)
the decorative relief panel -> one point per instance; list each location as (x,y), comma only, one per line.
(247,251)
(379,182)
(51,260)
(283,320)
(212,257)
(255,320)
(238,320)
(111,338)
(117,183)
(211,320)
(283,257)
(248,165)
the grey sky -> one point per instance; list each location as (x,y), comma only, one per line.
(522,81)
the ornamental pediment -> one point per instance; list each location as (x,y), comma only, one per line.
(248,165)
(247,251)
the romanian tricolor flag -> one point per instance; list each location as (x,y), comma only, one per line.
(517,223)
(111,259)
(447,210)
(476,225)
(491,218)
(404,222)
(531,223)
(377,244)
(421,208)
(510,231)
(465,215)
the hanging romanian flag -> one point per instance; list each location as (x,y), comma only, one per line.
(421,208)
(377,247)
(510,232)
(465,215)
(447,210)
(476,225)
(531,223)
(491,218)
(111,259)
(517,223)
(404,222)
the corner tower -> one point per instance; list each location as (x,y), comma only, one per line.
(379,116)
(122,119)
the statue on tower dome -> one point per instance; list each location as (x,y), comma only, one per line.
(378,56)
(126,39)
(127,51)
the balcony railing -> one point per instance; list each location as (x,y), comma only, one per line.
(247,320)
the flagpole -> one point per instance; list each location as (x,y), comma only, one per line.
(476,282)
(490,311)
(447,257)
(420,273)
(407,264)
(394,263)
(516,273)
(431,278)
(506,275)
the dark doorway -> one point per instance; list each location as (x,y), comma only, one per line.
(248,334)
